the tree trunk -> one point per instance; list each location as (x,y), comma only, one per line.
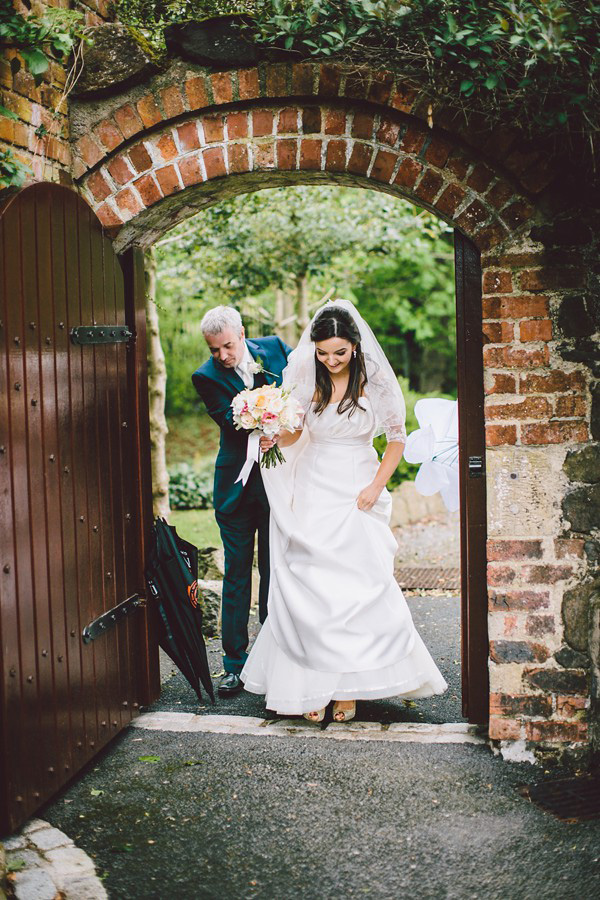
(279,311)
(285,317)
(302,302)
(157,384)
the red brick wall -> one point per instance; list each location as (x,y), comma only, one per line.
(48,156)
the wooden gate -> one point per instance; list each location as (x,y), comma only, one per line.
(73,462)
(473,521)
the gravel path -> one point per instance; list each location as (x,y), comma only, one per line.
(432,542)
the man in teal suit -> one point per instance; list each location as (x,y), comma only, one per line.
(241,510)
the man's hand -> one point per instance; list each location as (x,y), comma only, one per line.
(266,443)
(368,497)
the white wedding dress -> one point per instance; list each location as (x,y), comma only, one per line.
(338,625)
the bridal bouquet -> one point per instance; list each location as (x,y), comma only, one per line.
(267,410)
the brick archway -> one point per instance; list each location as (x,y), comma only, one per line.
(149,158)
(162,144)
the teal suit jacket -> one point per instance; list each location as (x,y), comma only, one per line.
(217,386)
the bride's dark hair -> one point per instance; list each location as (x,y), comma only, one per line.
(337,322)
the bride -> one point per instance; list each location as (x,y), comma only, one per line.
(338,625)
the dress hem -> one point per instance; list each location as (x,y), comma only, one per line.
(420,689)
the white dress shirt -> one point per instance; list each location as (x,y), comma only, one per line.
(243,370)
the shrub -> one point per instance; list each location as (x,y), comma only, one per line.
(190,488)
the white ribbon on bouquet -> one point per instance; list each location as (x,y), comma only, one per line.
(252,456)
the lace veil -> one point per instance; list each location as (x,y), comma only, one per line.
(382,388)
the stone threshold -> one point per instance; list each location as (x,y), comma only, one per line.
(414,732)
(47,865)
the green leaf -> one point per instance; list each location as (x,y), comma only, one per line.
(15,865)
(289,41)
(7,113)
(36,61)
(150,759)
(96,793)
(466,85)
(123,848)
(62,44)
(491,82)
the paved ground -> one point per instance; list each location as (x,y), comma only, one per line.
(438,621)
(188,816)
(210,816)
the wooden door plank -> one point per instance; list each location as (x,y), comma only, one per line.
(56,341)
(135,309)
(471,423)
(13,747)
(55,720)
(100,477)
(91,597)
(81,583)
(31,513)
(117,375)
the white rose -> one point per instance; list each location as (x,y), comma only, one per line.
(255,367)
(275,404)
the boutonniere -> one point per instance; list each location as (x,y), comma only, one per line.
(256,367)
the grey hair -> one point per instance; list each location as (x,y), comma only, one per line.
(220,318)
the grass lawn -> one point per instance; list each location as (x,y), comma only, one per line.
(198,526)
(193,439)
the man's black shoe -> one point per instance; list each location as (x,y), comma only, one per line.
(230,684)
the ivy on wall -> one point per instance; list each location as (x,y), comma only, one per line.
(39,40)
(530,63)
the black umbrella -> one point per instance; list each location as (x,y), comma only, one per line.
(172,576)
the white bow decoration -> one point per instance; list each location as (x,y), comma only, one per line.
(252,456)
(435,445)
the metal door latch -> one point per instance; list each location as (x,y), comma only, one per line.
(476,466)
(111,617)
(100,334)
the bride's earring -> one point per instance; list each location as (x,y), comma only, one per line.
(354,354)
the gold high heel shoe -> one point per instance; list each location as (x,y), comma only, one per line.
(346,714)
(317,716)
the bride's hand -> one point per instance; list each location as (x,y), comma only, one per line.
(368,497)
(286,438)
